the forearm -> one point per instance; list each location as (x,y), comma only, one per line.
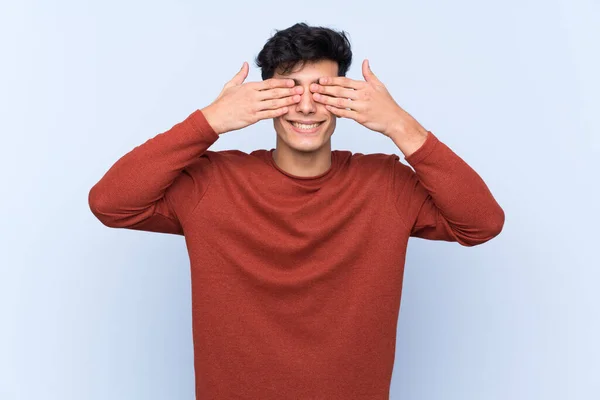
(407,134)
(214,120)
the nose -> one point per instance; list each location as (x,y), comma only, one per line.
(307,104)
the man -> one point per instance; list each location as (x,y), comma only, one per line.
(297,253)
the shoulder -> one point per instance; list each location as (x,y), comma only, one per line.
(370,164)
(227,159)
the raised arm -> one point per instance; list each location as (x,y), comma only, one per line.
(444,199)
(158,184)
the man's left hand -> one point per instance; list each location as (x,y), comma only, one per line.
(367,102)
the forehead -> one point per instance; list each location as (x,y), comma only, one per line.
(310,72)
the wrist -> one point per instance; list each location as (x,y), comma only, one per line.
(409,136)
(212,117)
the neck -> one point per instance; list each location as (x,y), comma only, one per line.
(304,164)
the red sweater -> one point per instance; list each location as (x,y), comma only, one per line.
(296,281)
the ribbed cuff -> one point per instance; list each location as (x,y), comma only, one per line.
(200,123)
(425,150)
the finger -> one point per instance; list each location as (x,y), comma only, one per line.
(240,77)
(279,92)
(341,81)
(338,102)
(274,83)
(272,104)
(271,113)
(341,112)
(336,91)
(368,73)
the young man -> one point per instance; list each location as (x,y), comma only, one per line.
(297,253)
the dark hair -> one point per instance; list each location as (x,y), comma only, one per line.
(301,43)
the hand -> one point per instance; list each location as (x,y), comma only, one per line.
(367,102)
(242,104)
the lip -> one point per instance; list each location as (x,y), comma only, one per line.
(304,131)
(311,121)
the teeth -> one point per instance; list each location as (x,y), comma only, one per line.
(304,126)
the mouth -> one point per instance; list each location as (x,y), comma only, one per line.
(305,127)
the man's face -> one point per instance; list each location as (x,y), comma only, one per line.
(296,129)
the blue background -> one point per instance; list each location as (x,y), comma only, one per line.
(89,312)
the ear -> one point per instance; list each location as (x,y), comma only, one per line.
(367,73)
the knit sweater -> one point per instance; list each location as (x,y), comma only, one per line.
(296,281)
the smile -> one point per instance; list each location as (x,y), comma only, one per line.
(300,127)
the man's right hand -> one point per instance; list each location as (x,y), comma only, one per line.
(242,104)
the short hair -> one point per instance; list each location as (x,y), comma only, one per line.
(302,43)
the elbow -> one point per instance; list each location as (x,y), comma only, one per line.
(497,223)
(113,212)
(100,207)
(489,230)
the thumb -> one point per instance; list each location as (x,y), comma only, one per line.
(367,73)
(241,76)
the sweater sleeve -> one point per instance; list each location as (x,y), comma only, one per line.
(157,185)
(444,198)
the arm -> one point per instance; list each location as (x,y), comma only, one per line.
(444,198)
(158,183)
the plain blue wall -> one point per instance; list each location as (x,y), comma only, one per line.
(89,312)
